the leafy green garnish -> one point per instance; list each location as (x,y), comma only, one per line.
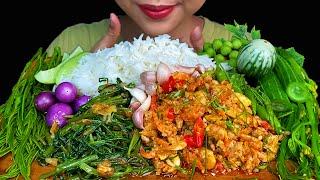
(194,163)
(176,94)
(299,58)
(240,31)
(216,105)
(229,124)
(255,34)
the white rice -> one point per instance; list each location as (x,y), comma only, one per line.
(128,60)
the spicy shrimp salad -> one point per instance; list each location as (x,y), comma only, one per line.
(199,122)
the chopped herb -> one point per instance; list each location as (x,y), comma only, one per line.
(216,105)
(194,163)
(176,94)
(229,124)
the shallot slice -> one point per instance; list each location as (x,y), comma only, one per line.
(141,86)
(137,118)
(195,74)
(134,105)
(139,94)
(148,77)
(151,89)
(184,69)
(163,73)
(146,104)
(200,68)
(133,99)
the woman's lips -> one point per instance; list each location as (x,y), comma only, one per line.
(156,12)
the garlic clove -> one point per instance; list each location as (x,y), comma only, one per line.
(139,94)
(163,73)
(148,77)
(137,118)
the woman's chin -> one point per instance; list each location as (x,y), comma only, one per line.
(152,31)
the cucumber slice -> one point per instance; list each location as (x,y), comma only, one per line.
(65,68)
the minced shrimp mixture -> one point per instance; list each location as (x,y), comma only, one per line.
(197,121)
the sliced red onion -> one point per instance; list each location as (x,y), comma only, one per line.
(139,94)
(184,69)
(137,118)
(151,89)
(163,73)
(148,77)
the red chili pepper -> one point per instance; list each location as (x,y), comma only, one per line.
(170,114)
(197,138)
(180,82)
(198,132)
(169,85)
(265,125)
(189,140)
(219,167)
(153,105)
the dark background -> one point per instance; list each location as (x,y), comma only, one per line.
(29,25)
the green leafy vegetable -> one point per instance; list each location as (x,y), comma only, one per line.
(299,58)
(21,124)
(107,137)
(240,31)
(301,90)
(298,92)
(255,34)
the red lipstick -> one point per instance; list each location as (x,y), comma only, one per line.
(156,12)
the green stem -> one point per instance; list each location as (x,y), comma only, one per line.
(312,114)
(88,169)
(134,141)
(69,165)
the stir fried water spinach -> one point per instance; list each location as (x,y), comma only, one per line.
(99,140)
(95,138)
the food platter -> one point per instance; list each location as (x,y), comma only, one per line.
(37,170)
(155,108)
